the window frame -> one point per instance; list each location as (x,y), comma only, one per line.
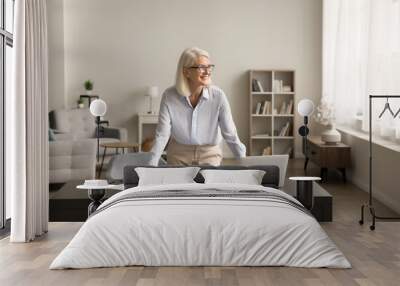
(6,39)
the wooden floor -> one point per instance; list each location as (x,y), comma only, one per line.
(375,256)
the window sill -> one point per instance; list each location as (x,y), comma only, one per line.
(388,144)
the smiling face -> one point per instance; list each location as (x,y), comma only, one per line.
(199,74)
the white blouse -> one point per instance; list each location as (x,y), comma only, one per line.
(202,125)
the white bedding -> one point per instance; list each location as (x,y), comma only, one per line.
(200,231)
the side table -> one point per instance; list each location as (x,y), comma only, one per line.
(304,190)
(96,194)
(326,156)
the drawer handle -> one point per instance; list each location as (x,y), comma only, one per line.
(313,152)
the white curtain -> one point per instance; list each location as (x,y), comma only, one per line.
(361,56)
(27,135)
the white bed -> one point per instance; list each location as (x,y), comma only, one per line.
(185,230)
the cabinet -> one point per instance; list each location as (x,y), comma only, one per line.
(272,102)
(336,156)
(147,124)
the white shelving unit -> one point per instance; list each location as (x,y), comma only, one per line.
(267,127)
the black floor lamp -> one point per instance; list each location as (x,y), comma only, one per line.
(98,108)
(369,205)
(305,108)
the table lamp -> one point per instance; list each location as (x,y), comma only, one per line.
(98,108)
(152,92)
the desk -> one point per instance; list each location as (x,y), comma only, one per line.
(145,119)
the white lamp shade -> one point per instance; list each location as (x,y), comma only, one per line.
(152,91)
(98,107)
(305,107)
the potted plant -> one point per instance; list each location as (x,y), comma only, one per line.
(80,103)
(88,87)
(325,115)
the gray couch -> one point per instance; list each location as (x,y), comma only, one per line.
(73,152)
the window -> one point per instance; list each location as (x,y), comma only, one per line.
(6,64)
(361,56)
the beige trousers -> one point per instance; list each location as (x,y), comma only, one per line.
(182,154)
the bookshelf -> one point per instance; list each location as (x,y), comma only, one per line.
(272,105)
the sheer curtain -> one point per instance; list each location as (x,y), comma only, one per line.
(27,142)
(361,56)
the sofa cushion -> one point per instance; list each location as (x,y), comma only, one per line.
(72,160)
(78,122)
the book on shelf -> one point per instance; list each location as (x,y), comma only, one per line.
(277,85)
(283,108)
(285,130)
(266,107)
(256,86)
(258,108)
(289,107)
(259,86)
(267,151)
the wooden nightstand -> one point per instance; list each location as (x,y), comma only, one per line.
(328,156)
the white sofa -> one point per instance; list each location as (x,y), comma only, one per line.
(73,152)
(80,124)
(72,160)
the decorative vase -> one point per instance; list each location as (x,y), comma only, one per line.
(81,105)
(88,92)
(331,136)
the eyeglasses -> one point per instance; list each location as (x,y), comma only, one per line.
(203,69)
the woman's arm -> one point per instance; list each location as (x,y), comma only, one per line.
(228,129)
(163,133)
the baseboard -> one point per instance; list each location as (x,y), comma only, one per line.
(377,194)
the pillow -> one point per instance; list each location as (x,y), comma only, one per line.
(163,176)
(248,177)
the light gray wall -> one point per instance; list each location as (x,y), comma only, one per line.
(386,179)
(55,29)
(125,45)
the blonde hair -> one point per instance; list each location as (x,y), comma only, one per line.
(188,58)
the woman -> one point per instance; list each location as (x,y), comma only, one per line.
(194,113)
